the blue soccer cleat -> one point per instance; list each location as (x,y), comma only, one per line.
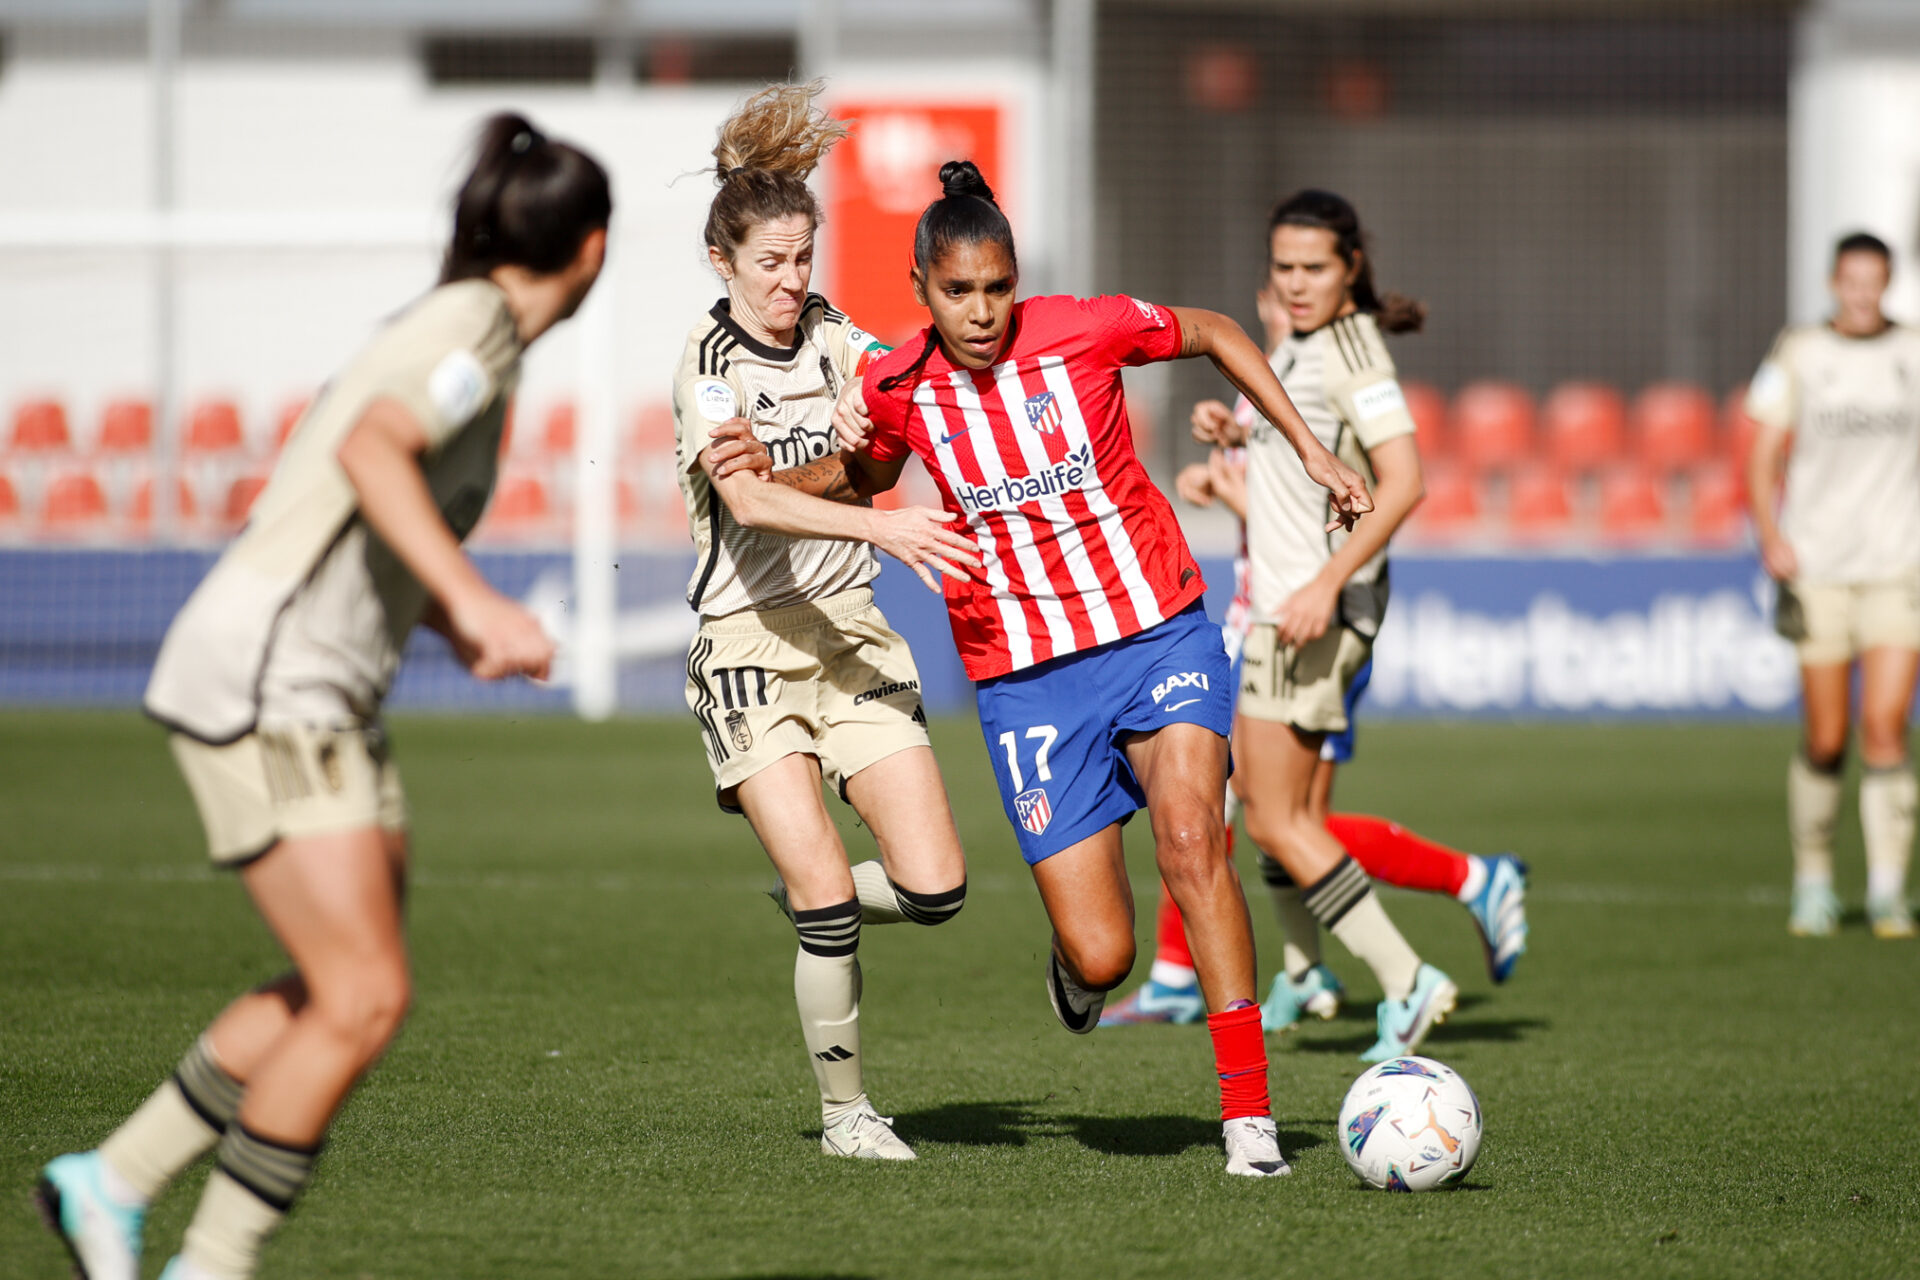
(1317,992)
(1499,912)
(1404,1024)
(102,1234)
(1157,1002)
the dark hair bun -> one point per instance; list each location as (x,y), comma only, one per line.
(962,178)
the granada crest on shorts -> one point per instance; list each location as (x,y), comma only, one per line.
(1033,809)
(738,731)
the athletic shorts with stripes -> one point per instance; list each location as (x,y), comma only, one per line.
(290,781)
(829,679)
(1304,685)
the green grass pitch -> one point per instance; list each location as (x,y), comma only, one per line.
(603,1073)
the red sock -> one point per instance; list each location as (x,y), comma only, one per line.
(1389,852)
(1240,1056)
(1171,933)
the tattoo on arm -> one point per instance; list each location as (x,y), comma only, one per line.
(1190,340)
(823,478)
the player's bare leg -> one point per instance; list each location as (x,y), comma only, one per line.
(1814,791)
(1887,786)
(784,805)
(922,874)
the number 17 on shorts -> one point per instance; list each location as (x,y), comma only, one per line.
(1030,804)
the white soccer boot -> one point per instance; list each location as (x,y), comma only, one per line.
(864,1135)
(1253,1148)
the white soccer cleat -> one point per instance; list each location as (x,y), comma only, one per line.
(864,1135)
(1253,1148)
(102,1234)
(1077,1008)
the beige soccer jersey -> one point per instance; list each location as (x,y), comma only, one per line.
(788,394)
(303,619)
(1852,509)
(1342,381)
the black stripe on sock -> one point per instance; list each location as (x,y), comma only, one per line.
(1274,874)
(1337,893)
(930,908)
(829,931)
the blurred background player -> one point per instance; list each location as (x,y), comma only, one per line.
(1838,410)
(1318,600)
(794,674)
(271,679)
(1101,686)
(1493,889)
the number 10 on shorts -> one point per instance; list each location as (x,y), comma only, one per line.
(1032,807)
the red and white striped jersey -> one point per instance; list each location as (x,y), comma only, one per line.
(1078,547)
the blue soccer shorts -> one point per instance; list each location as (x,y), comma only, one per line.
(1056,732)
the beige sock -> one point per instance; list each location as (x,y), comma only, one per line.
(1343,901)
(1813,806)
(1887,798)
(826,989)
(879,904)
(1299,931)
(246,1199)
(176,1125)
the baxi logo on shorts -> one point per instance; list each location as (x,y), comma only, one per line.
(1043,413)
(738,731)
(1180,680)
(1035,813)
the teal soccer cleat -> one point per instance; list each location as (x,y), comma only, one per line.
(1317,992)
(1156,1002)
(102,1234)
(1499,912)
(1815,912)
(1404,1023)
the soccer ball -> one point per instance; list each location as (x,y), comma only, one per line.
(1410,1124)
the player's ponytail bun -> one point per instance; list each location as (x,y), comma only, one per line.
(965,213)
(528,202)
(766,150)
(1394,312)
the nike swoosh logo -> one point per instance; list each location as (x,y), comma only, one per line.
(1074,1019)
(956,435)
(1176,706)
(1404,1034)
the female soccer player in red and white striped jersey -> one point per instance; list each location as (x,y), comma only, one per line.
(1102,687)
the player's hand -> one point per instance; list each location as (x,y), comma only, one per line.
(1777,558)
(1228,481)
(918,537)
(1213,424)
(1273,316)
(1195,484)
(736,448)
(850,420)
(497,638)
(1307,613)
(1350,497)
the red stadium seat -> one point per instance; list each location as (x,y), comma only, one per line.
(1632,508)
(1673,425)
(1737,430)
(214,427)
(557,432)
(290,414)
(653,428)
(626,502)
(40,426)
(1493,424)
(506,428)
(74,501)
(1539,503)
(140,510)
(1428,405)
(126,427)
(9,501)
(240,498)
(1452,505)
(520,500)
(1585,425)
(1718,500)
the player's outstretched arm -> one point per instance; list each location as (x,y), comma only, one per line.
(1766,468)
(492,634)
(916,536)
(1398,488)
(846,476)
(1241,362)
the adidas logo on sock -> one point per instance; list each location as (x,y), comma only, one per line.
(833,1054)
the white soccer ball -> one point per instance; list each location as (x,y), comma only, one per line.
(1410,1124)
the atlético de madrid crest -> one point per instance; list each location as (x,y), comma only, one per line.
(1034,811)
(1043,413)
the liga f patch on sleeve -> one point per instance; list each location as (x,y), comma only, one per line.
(457,386)
(714,400)
(1378,400)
